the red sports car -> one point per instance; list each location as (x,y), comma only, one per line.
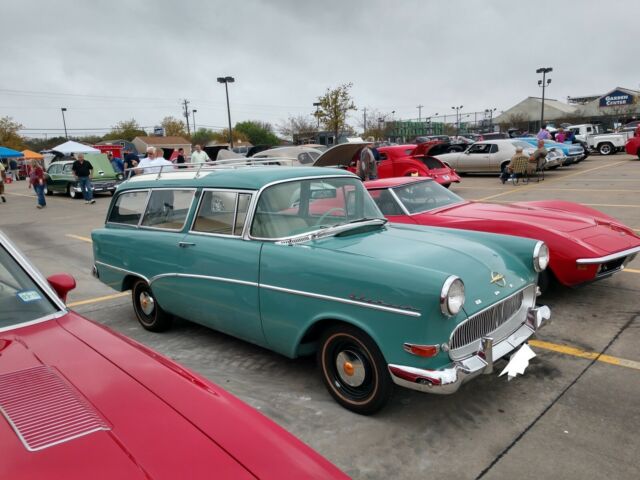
(396,160)
(78,401)
(632,147)
(585,244)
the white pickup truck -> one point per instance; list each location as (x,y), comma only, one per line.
(603,143)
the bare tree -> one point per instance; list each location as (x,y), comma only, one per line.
(300,129)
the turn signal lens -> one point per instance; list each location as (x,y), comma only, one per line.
(426,351)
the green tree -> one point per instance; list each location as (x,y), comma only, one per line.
(125,130)
(37,144)
(335,104)
(258,133)
(9,136)
(203,136)
(174,127)
(223,137)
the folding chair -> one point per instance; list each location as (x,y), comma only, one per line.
(520,170)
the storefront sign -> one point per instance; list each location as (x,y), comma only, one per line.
(616,98)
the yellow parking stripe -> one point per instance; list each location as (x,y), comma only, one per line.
(97,299)
(577,352)
(78,237)
(631,270)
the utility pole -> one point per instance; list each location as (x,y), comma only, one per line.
(186,114)
(419,107)
(364,114)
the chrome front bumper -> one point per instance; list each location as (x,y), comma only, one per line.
(447,380)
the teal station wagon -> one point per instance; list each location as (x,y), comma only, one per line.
(301,261)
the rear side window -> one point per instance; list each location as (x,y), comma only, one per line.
(128,208)
(168,209)
(222,213)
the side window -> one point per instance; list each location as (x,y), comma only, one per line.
(128,208)
(168,209)
(383,156)
(386,203)
(217,213)
(304,158)
(494,148)
(588,129)
(54,170)
(479,148)
(241,216)
(67,168)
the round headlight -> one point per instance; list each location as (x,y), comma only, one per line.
(120,176)
(540,256)
(452,296)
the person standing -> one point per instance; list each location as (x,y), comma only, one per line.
(199,156)
(116,163)
(180,158)
(544,134)
(36,179)
(560,136)
(83,171)
(130,162)
(367,168)
(3,177)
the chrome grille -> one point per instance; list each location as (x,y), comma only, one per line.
(486,321)
(44,410)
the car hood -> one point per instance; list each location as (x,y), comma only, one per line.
(156,422)
(339,155)
(472,256)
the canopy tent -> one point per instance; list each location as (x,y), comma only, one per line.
(31,155)
(9,153)
(67,148)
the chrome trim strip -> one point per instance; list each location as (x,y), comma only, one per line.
(398,201)
(122,270)
(204,277)
(33,322)
(348,301)
(608,258)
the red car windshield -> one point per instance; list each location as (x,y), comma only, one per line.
(424,196)
(21,299)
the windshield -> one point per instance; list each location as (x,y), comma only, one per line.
(424,196)
(21,300)
(302,206)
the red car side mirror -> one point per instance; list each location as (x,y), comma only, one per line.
(62,283)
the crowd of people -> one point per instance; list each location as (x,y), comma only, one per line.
(534,162)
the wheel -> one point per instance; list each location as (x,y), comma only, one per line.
(547,281)
(638,154)
(354,370)
(605,149)
(503,167)
(49,191)
(71,192)
(149,313)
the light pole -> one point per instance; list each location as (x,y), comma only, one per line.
(543,84)
(457,109)
(227,81)
(63,109)
(193,112)
(489,111)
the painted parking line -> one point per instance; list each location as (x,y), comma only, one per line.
(558,179)
(578,352)
(631,270)
(78,237)
(89,301)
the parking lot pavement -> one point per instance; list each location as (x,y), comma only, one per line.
(569,416)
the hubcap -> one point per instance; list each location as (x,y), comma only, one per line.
(147,303)
(350,368)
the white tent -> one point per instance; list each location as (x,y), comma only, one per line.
(67,148)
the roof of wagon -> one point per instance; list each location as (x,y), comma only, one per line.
(251,178)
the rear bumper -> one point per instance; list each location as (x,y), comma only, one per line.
(448,380)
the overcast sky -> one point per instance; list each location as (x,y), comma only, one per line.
(107,61)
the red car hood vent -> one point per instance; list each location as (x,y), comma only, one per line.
(44,409)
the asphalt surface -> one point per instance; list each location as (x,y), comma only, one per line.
(568,417)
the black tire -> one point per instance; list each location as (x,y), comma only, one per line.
(364,384)
(503,167)
(49,191)
(547,281)
(606,149)
(149,313)
(638,154)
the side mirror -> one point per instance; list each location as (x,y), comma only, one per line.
(62,283)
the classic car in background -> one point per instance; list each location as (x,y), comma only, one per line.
(573,152)
(80,401)
(301,261)
(60,178)
(295,156)
(632,147)
(584,244)
(395,160)
(492,156)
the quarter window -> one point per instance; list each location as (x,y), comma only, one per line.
(222,213)
(128,207)
(168,209)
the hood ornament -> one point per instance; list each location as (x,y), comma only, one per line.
(498,279)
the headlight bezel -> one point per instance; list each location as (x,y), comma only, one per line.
(541,252)
(446,298)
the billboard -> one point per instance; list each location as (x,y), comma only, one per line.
(617,98)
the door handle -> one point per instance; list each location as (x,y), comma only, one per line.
(186,244)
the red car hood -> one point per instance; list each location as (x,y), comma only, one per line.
(161,421)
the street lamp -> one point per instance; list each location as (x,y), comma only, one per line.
(193,112)
(543,84)
(63,109)
(317,105)
(489,111)
(227,81)
(457,109)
